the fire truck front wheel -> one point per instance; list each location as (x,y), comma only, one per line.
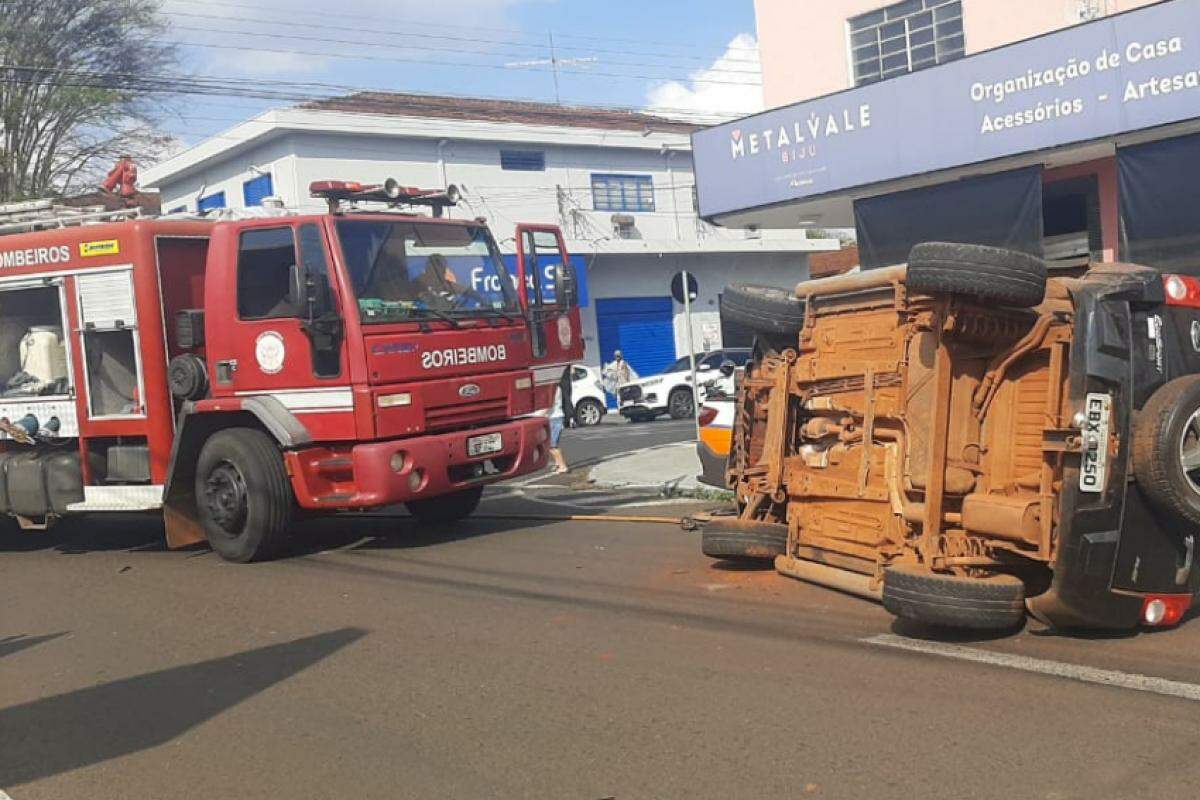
(445,508)
(243,495)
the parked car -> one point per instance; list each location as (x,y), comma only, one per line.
(718,406)
(587,393)
(670,391)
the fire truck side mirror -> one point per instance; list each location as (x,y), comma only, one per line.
(565,286)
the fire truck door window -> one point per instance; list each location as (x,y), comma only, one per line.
(326,360)
(112,372)
(33,351)
(547,258)
(265,259)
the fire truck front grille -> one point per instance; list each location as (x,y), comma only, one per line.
(439,418)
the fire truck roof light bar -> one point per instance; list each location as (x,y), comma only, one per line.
(390,192)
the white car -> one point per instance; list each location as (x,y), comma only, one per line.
(671,391)
(587,395)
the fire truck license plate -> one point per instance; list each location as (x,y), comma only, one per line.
(481,445)
(1093,467)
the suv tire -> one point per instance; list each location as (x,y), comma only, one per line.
(1166,442)
(914,593)
(681,404)
(743,540)
(763,309)
(243,495)
(588,412)
(990,274)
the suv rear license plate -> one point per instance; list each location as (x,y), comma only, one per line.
(482,445)
(1093,466)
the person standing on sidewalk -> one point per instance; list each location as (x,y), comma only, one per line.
(562,413)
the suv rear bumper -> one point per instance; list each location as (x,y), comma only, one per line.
(398,470)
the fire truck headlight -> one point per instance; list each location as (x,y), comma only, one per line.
(390,400)
(398,461)
(524,383)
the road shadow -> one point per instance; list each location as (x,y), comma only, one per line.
(385,531)
(21,641)
(56,734)
(939,633)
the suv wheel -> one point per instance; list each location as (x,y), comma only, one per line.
(1166,448)
(588,412)
(681,404)
(989,274)
(915,593)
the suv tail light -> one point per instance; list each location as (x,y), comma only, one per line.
(707,415)
(1182,290)
(1159,610)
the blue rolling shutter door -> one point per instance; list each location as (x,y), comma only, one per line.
(641,328)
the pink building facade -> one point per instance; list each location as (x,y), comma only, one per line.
(1067,128)
(806,46)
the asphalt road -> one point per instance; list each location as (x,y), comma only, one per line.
(541,660)
(584,446)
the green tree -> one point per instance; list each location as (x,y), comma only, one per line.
(73,75)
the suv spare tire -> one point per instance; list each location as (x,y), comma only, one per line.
(990,274)
(763,309)
(915,593)
(1166,448)
(743,540)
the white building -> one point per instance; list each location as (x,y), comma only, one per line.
(619,183)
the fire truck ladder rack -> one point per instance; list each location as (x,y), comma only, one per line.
(38,215)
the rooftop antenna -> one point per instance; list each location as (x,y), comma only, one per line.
(554,62)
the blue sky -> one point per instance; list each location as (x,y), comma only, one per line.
(679,56)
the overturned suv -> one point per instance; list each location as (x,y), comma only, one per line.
(966,440)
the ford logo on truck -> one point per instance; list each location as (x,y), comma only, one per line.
(460,356)
(468,390)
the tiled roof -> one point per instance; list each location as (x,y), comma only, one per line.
(485,110)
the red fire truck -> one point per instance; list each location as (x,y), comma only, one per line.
(239,372)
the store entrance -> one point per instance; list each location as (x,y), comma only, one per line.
(1071,232)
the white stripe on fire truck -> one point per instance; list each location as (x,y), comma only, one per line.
(333,398)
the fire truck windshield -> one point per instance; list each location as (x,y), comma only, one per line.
(404,270)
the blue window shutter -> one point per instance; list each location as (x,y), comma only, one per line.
(523,160)
(214,200)
(177,210)
(255,189)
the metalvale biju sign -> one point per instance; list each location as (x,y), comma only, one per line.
(1122,73)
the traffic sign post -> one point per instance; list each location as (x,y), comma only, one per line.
(685,279)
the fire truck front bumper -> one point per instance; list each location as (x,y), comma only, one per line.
(395,471)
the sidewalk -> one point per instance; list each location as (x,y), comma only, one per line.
(668,470)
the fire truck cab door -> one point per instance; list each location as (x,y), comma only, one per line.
(549,298)
(285,338)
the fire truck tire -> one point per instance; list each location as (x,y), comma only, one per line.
(743,540)
(763,309)
(243,495)
(913,593)
(445,508)
(1166,448)
(990,274)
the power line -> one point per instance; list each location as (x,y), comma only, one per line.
(287,91)
(290,11)
(538,48)
(456,64)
